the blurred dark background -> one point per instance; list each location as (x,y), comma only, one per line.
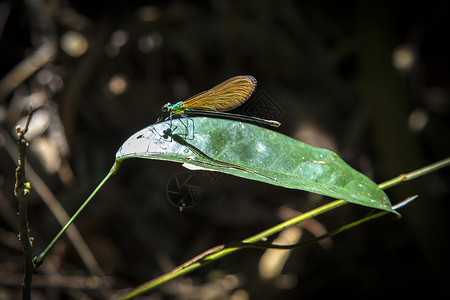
(366,79)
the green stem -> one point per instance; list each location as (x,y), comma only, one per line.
(222,250)
(252,242)
(414,174)
(38,260)
(369,217)
(271,231)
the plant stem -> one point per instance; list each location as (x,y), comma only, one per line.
(21,191)
(271,231)
(38,260)
(414,174)
(220,251)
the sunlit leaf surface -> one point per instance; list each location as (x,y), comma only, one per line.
(256,153)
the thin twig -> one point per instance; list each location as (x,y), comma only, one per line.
(21,191)
(44,192)
(417,173)
(254,242)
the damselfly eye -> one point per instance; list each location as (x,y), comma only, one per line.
(165,108)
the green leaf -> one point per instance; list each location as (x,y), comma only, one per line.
(256,153)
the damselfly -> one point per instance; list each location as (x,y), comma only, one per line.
(223,97)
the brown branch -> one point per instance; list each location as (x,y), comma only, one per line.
(21,191)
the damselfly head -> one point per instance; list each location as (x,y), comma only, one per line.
(165,107)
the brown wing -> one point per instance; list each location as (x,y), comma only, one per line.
(225,96)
